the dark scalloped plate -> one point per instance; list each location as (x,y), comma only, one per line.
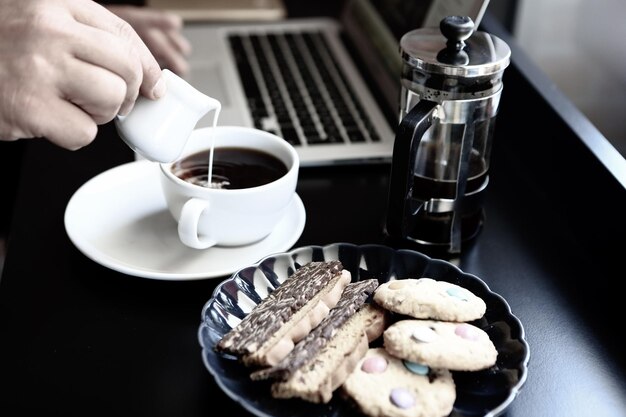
(483,393)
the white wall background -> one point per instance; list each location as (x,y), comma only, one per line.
(581,45)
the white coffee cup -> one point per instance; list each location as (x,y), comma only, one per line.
(230,217)
(159,129)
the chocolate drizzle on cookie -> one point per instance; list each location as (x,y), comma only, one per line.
(279,307)
(352,299)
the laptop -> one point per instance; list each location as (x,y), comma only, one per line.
(328,86)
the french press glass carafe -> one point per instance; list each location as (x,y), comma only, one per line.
(451,86)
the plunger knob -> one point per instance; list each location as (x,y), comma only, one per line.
(456,29)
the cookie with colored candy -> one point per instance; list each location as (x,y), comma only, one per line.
(383,385)
(440,344)
(426,298)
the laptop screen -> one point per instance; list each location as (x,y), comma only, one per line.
(374,28)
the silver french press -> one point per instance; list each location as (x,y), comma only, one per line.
(451,87)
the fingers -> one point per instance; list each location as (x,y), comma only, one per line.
(181,43)
(67,107)
(97,91)
(166,50)
(161,32)
(96,16)
(62,123)
(104,51)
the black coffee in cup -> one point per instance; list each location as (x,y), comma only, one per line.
(233,168)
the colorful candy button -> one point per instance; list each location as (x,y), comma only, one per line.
(458,292)
(424,334)
(467,331)
(416,368)
(374,365)
(402,398)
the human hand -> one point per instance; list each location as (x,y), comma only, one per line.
(67,66)
(161,32)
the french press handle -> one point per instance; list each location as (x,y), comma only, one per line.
(410,132)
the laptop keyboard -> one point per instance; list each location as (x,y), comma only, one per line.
(296,90)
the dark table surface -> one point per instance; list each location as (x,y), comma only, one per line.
(78,339)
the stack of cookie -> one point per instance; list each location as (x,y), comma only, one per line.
(430,337)
(390,348)
(309,333)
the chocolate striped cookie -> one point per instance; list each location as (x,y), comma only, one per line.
(320,363)
(269,332)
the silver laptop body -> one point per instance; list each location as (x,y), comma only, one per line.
(344,96)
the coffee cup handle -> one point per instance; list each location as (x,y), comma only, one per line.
(188,224)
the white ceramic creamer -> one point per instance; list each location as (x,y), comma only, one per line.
(159,129)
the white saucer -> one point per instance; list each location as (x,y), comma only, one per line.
(119,219)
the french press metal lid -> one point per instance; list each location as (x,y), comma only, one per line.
(452,62)
(451,86)
(454,50)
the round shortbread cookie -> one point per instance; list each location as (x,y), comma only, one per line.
(383,385)
(440,344)
(426,298)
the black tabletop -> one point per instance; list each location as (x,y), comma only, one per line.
(79,339)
